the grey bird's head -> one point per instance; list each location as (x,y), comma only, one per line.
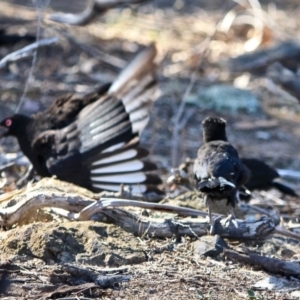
(214,129)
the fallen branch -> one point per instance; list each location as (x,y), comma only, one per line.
(289,173)
(291,234)
(261,59)
(60,290)
(285,78)
(98,206)
(26,51)
(166,228)
(107,58)
(141,226)
(82,18)
(102,280)
(273,214)
(87,208)
(93,10)
(14,214)
(273,265)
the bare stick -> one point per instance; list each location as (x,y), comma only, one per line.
(177,120)
(87,208)
(160,228)
(26,51)
(103,280)
(287,233)
(39,5)
(93,10)
(289,173)
(12,215)
(82,18)
(98,206)
(273,265)
(285,78)
(97,53)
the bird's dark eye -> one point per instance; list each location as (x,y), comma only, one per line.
(8,122)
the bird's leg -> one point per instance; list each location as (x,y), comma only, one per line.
(231,216)
(231,212)
(207,200)
(212,221)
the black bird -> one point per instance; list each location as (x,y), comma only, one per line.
(264,177)
(218,170)
(11,39)
(5,282)
(94,142)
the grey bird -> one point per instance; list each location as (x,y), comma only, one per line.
(218,170)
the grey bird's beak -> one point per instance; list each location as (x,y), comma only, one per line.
(224,182)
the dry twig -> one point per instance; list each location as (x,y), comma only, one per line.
(26,51)
(273,265)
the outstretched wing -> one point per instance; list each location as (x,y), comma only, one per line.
(100,150)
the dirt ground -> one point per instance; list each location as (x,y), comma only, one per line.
(193,46)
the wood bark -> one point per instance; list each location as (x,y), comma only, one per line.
(287,53)
(273,265)
(77,207)
(285,78)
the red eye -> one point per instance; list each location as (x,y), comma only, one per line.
(8,122)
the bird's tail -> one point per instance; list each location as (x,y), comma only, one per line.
(215,184)
(284,188)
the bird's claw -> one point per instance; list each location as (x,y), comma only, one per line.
(232,219)
(212,223)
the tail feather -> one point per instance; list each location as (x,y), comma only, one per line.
(284,188)
(121,156)
(109,129)
(137,88)
(126,106)
(115,149)
(135,72)
(123,167)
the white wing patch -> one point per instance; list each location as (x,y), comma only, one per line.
(131,153)
(139,125)
(129,166)
(113,147)
(121,178)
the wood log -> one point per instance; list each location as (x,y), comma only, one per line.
(26,51)
(92,11)
(166,228)
(287,53)
(87,208)
(273,265)
(102,280)
(285,78)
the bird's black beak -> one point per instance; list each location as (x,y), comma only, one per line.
(3,131)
